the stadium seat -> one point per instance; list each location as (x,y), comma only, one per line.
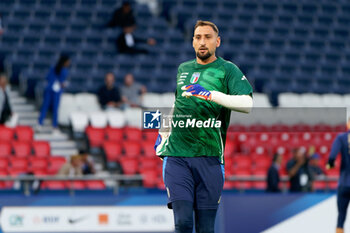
(18,164)
(131,148)
(129,166)
(87,102)
(113,151)
(95,136)
(4,164)
(53,185)
(5,149)
(133,117)
(149,178)
(41,149)
(98,119)
(114,134)
(38,164)
(133,134)
(67,106)
(95,184)
(148,163)
(148,148)
(116,119)
(22,149)
(6,134)
(55,163)
(79,121)
(75,184)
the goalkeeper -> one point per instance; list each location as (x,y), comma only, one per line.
(208,88)
(342,144)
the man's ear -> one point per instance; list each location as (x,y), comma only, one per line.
(218,42)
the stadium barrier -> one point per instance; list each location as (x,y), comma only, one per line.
(26,180)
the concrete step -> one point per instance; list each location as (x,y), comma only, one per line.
(33,121)
(23,108)
(64,152)
(63,145)
(28,115)
(18,101)
(51,137)
(14,94)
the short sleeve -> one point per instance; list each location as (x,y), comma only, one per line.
(236,81)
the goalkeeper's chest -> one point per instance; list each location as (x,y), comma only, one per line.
(211,80)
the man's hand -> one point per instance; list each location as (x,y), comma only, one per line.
(330,164)
(196,90)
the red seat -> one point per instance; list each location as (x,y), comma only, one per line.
(95,184)
(242,162)
(229,185)
(55,163)
(131,148)
(129,166)
(41,172)
(149,135)
(262,162)
(319,185)
(148,162)
(38,164)
(22,149)
(3,164)
(18,163)
(113,151)
(41,148)
(229,148)
(75,184)
(17,171)
(133,134)
(242,172)
(24,133)
(149,178)
(6,134)
(54,185)
(96,136)
(5,149)
(148,148)
(160,184)
(114,134)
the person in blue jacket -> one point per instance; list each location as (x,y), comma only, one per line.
(342,144)
(55,83)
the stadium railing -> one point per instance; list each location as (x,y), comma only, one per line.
(27,179)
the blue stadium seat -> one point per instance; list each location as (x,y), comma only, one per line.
(89,3)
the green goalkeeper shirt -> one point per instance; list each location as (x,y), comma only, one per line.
(202,131)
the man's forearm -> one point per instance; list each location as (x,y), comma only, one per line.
(240,103)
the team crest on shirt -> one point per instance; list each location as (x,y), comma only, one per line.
(195,77)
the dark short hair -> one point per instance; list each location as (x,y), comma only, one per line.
(206,23)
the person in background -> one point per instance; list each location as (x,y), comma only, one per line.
(5,105)
(123,17)
(56,81)
(87,163)
(273,177)
(314,165)
(132,91)
(72,168)
(128,43)
(299,172)
(108,94)
(342,144)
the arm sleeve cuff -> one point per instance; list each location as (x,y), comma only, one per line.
(239,103)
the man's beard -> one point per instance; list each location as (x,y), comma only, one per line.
(204,56)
